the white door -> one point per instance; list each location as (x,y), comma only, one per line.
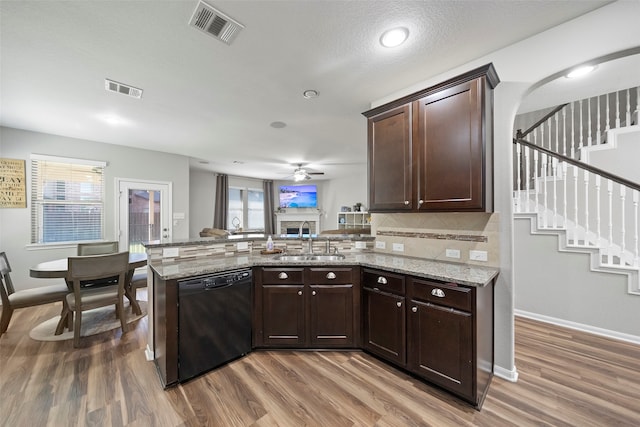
(143,213)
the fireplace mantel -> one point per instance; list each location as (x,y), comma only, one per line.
(313,217)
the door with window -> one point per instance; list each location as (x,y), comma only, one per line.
(143,214)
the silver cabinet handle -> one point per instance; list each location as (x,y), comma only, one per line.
(399,304)
(406,202)
(437,293)
(299,292)
(382,280)
(313,293)
(283,275)
(414,309)
(420,201)
(331,275)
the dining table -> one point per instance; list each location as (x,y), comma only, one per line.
(57,268)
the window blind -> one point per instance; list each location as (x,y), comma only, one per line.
(67,199)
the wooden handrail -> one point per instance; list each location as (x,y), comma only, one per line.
(521,135)
(592,169)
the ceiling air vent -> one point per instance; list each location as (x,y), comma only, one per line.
(123,89)
(215,23)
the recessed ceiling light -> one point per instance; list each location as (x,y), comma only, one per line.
(580,71)
(394,37)
(310,93)
(278,125)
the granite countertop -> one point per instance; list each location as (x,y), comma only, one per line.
(463,274)
(248,237)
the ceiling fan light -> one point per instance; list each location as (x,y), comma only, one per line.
(299,175)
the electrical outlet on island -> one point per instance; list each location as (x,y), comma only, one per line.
(398,247)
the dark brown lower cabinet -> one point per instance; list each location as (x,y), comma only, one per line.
(384,325)
(312,307)
(440,346)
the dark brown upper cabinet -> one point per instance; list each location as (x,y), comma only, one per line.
(433,150)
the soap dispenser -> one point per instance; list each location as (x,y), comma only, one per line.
(269,244)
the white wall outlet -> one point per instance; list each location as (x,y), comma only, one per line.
(380,244)
(398,247)
(452,253)
(478,255)
(361,245)
(170,252)
(243,246)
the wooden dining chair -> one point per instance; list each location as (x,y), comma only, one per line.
(12,299)
(97,248)
(84,270)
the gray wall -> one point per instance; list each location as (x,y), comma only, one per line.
(122,162)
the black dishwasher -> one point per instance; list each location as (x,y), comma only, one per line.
(214,321)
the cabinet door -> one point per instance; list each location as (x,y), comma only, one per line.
(384,325)
(450,147)
(331,318)
(440,347)
(283,315)
(390,160)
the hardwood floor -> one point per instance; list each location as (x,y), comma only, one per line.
(567,378)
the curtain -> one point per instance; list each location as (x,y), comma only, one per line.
(221,203)
(269,222)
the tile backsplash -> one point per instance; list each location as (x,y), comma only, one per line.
(429,235)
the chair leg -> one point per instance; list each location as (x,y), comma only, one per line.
(5,318)
(77,327)
(122,316)
(66,319)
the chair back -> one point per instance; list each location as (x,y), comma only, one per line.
(93,268)
(97,248)
(6,285)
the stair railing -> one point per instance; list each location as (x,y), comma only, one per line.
(597,209)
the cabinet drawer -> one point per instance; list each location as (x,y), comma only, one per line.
(448,295)
(384,281)
(284,275)
(330,275)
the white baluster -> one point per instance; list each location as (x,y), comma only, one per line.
(610,248)
(628,117)
(637,111)
(617,110)
(554,170)
(598,131)
(575,205)
(527,165)
(519,178)
(564,131)
(535,182)
(544,190)
(598,211)
(589,139)
(623,194)
(636,199)
(574,153)
(581,142)
(586,206)
(564,196)
(557,132)
(607,123)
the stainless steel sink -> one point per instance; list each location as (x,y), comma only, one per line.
(309,257)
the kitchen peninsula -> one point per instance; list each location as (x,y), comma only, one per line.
(430,318)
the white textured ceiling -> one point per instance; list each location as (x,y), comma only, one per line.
(215,102)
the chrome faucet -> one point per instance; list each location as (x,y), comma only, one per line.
(302,226)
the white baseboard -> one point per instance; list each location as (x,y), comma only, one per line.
(634,339)
(149,354)
(506,374)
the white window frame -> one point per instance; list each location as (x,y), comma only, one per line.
(37,205)
(244,191)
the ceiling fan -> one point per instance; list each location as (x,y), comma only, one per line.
(301,174)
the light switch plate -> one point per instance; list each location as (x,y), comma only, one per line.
(398,247)
(452,253)
(380,244)
(478,255)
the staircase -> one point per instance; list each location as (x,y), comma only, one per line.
(562,189)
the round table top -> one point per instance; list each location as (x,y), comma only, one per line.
(58,267)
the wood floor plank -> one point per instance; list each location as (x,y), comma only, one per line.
(567,378)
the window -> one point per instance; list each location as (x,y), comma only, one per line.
(246,209)
(67,199)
